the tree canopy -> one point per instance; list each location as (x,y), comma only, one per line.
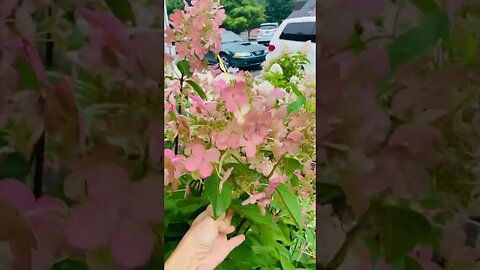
(243,17)
(172,5)
(278,10)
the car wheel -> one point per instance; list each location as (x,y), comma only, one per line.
(257,67)
(226,61)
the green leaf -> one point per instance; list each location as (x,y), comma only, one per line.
(76,40)
(291,202)
(400,229)
(284,257)
(197,89)
(355,42)
(297,104)
(291,165)
(294,180)
(184,67)
(69,264)
(155,262)
(373,247)
(411,264)
(252,213)
(406,263)
(296,90)
(331,194)
(173,117)
(271,233)
(220,201)
(14,165)
(28,79)
(418,41)
(263,250)
(100,259)
(425,6)
(241,172)
(469,49)
(122,10)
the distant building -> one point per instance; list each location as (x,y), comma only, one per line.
(304,8)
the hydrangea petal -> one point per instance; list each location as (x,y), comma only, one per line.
(16,194)
(90,224)
(107,182)
(206,169)
(193,163)
(146,199)
(132,244)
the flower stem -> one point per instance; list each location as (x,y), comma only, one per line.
(351,236)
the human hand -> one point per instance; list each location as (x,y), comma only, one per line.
(205,245)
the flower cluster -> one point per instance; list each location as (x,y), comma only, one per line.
(196,31)
(240,120)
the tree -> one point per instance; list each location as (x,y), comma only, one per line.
(278,10)
(173,5)
(243,15)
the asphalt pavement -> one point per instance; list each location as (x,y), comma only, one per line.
(255,71)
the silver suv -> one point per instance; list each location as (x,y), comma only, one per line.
(266,32)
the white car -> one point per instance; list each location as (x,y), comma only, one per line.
(168,49)
(265,33)
(293,35)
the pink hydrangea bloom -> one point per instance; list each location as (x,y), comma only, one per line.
(274,182)
(202,160)
(226,139)
(250,141)
(45,217)
(196,31)
(224,178)
(253,199)
(198,105)
(235,96)
(117,212)
(260,199)
(174,168)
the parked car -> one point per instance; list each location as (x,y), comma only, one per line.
(294,33)
(235,52)
(253,34)
(266,33)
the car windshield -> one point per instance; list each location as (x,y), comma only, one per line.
(229,36)
(268,27)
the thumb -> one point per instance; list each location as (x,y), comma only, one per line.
(235,242)
(217,257)
(224,227)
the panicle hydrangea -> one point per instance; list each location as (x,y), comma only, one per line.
(241,117)
(196,31)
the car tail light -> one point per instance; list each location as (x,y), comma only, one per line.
(271,48)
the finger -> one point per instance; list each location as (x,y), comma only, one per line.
(207,213)
(209,210)
(221,217)
(218,255)
(224,227)
(229,216)
(235,242)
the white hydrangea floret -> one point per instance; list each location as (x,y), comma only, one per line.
(276,68)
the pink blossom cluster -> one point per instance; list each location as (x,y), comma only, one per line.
(196,31)
(240,117)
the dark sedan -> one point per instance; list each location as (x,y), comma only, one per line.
(236,52)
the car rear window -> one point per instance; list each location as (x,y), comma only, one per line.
(268,27)
(301,31)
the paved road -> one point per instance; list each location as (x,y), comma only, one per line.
(256,72)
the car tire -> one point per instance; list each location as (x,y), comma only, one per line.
(225,60)
(257,67)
